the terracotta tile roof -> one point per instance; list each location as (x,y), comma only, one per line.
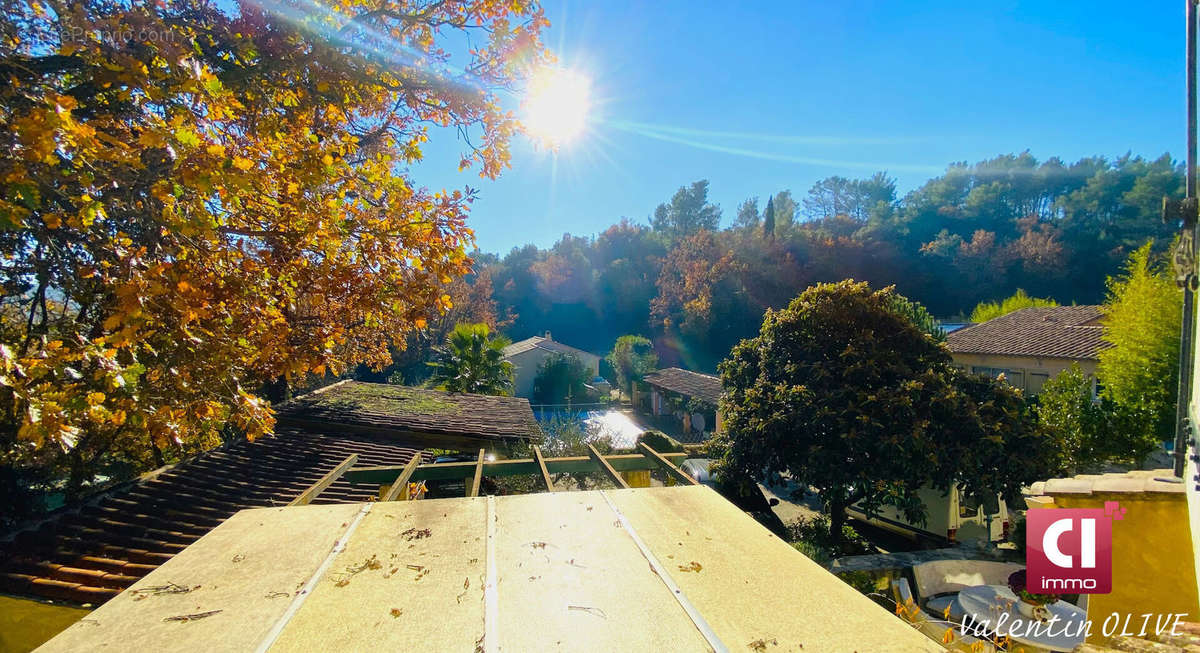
(403,410)
(1058,332)
(538,342)
(693,384)
(88,553)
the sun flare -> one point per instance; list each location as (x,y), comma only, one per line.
(557,105)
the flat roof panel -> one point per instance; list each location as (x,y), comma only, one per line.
(570,578)
(250,568)
(431,567)
(573,572)
(752,586)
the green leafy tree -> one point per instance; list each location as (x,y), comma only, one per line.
(1093,432)
(985,311)
(632,357)
(769,219)
(1140,371)
(843,393)
(687,213)
(747,215)
(559,377)
(472,360)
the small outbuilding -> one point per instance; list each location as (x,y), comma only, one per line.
(692,397)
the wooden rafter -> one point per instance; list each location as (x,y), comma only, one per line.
(473,491)
(386,474)
(607,468)
(666,465)
(399,488)
(537,455)
(317,488)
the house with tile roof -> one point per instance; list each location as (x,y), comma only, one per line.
(675,391)
(85,554)
(526,355)
(1032,345)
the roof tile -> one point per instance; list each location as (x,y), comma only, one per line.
(87,554)
(693,384)
(1055,332)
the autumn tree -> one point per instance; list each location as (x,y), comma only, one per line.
(841,391)
(632,357)
(472,360)
(202,198)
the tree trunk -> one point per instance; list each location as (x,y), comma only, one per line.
(76,476)
(157,454)
(837,517)
(277,390)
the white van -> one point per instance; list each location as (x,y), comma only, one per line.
(949,517)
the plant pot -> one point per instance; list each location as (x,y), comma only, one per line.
(1035,611)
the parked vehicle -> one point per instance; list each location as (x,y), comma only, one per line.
(951,516)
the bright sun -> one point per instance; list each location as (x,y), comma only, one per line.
(557,105)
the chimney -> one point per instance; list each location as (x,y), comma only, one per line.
(548,336)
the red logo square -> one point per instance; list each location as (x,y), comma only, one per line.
(1069,550)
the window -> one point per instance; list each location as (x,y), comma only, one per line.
(1015,378)
(1036,381)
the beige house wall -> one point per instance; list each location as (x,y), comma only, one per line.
(525,368)
(1025,372)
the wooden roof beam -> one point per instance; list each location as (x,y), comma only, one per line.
(320,486)
(666,465)
(607,468)
(385,474)
(537,456)
(473,490)
(399,489)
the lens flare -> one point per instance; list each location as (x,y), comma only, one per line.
(557,105)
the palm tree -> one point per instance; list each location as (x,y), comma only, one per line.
(472,360)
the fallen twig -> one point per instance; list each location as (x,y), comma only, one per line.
(192,617)
(583,608)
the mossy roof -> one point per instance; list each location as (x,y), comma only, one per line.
(404,408)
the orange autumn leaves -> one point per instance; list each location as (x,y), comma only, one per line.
(198,202)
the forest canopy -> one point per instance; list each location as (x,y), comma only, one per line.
(977,233)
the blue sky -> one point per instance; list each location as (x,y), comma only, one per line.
(761,96)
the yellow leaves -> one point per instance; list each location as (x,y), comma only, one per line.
(253,210)
(151,138)
(186,137)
